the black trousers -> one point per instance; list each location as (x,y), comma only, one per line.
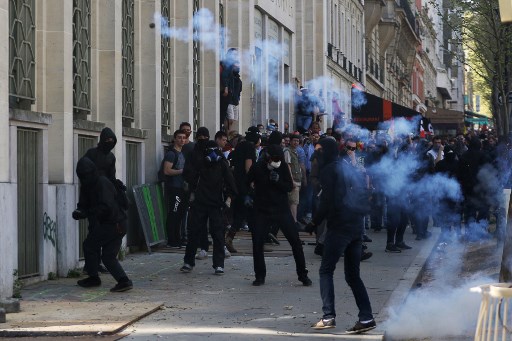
(396,223)
(260,230)
(199,217)
(108,238)
(177,201)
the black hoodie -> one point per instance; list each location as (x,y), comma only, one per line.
(102,155)
(270,197)
(335,175)
(98,196)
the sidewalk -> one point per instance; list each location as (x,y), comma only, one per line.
(228,307)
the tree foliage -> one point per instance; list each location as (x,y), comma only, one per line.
(488,50)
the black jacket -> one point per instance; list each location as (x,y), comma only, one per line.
(98,196)
(335,179)
(214,182)
(270,197)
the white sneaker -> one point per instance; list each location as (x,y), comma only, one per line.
(219,271)
(202,254)
(227,254)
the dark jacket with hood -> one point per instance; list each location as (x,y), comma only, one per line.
(470,164)
(213,179)
(270,197)
(335,178)
(98,196)
(102,155)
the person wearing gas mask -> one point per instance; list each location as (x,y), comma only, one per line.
(107,225)
(105,162)
(272,182)
(212,186)
(339,205)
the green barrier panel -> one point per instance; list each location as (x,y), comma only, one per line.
(150,205)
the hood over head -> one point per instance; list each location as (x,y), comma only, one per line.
(107,146)
(87,172)
(275,138)
(329,151)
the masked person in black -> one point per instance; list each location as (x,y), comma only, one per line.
(272,181)
(105,162)
(107,225)
(343,236)
(209,181)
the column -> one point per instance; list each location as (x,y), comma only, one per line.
(210,78)
(182,68)
(148,83)
(8,208)
(56,98)
(106,70)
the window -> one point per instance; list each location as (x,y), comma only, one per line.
(128,62)
(81,58)
(166,74)
(22,31)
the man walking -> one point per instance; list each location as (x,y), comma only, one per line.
(272,182)
(107,226)
(343,237)
(211,179)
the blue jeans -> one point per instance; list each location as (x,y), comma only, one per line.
(303,122)
(335,244)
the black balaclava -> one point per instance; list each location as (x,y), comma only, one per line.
(104,146)
(87,172)
(329,151)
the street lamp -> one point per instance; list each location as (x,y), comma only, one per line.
(506,11)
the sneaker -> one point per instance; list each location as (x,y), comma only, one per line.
(245,228)
(366,239)
(219,270)
(258,281)
(89,282)
(186,268)
(403,246)
(122,286)
(202,255)
(227,254)
(173,246)
(361,327)
(273,239)
(325,324)
(306,281)
(366,255)
(392,248)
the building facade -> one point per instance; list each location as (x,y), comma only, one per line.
(70,68)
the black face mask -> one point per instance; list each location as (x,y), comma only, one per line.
(236,71)
(106,147)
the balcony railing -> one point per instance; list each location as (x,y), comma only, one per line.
(404,4)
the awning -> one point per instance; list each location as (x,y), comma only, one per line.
(369,110)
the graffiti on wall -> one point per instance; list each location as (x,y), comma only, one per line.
(49,229)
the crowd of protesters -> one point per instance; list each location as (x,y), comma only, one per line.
(338,184)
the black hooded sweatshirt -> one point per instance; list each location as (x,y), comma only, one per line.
(98,196)
(210,180)
(270,197)
(102,155)
(334,175)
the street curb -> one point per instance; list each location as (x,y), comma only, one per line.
(410,277)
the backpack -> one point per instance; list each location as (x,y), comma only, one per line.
(161,175)
(121,196)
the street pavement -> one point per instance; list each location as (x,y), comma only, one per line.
(201,305)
